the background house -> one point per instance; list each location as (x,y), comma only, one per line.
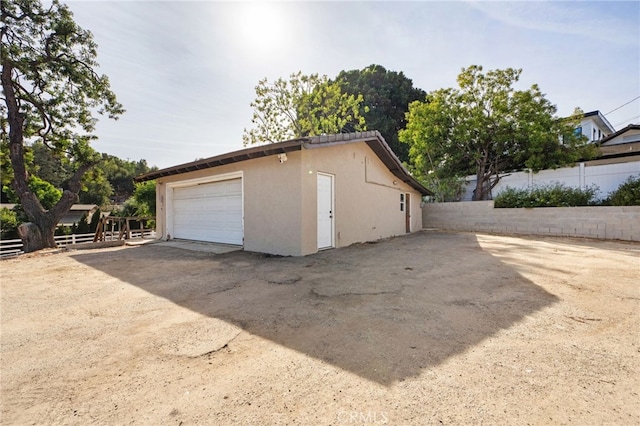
(594,126)
(624,142)
(291,198)
(74,214)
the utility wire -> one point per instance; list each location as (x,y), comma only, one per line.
(637,97)
(627,120)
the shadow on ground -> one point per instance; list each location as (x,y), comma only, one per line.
(384,311)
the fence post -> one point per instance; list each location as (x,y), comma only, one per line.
(73,238)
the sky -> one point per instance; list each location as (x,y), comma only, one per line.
(186,71)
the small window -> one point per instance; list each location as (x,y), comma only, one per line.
(578,131)
(401,202)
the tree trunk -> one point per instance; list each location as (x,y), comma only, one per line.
(39,233)
(34,239)
(479,193)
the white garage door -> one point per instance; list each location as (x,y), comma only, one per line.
(209,212)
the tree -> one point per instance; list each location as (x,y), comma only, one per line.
(488,128)
(48,166)
(96,188)
(302,106)
(386,95)
(51,90)
(144,197)
(120,173)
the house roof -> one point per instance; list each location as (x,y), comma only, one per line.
(628,148)
(75,207)
(373,139)
(600,119)
(618,133)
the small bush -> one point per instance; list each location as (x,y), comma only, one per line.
(555,195)
(8,224)
(627,194)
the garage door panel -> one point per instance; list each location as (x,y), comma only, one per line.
(209,212)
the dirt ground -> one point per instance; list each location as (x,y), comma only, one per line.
(430,328)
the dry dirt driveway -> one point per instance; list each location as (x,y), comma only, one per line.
(430,328)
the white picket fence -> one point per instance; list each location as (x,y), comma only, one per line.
(14,247)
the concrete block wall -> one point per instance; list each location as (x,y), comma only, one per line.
(615,223)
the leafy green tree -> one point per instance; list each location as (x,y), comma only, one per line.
(49,166)
(486,127)
(120,174)
(386,95)
(48,194)
(96,188)
(8,224)
(51,90)
(299,107)
(142,203)
(145,198)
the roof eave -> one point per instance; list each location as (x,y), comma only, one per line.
(221,160)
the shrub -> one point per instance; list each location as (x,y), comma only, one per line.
(555,195)
(627,194)
(8,224)
(83,225)
(95,219)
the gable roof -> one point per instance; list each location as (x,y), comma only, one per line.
(626,146)
(618,133)
(373,139)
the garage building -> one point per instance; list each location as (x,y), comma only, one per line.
(291,198)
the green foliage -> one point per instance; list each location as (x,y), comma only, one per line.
(110,176)
(304,105)
(386,95)
(64,230)
(120,174)
(51,92)
(95,219)
(53,167)
(142,203)
(83,225)
(627,194)
(8,224)
(444,189)
(486,127)
(6,171)
(145,198)
(555,195)
(55,60)
(43,190)
(96,188)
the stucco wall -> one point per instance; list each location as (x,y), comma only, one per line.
(280,199)
(271,197)
(620,223)
(367,196)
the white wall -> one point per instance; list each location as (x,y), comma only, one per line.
(608,177)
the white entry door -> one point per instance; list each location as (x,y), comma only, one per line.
(325,211)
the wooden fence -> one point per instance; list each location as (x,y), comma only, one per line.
(109,229)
